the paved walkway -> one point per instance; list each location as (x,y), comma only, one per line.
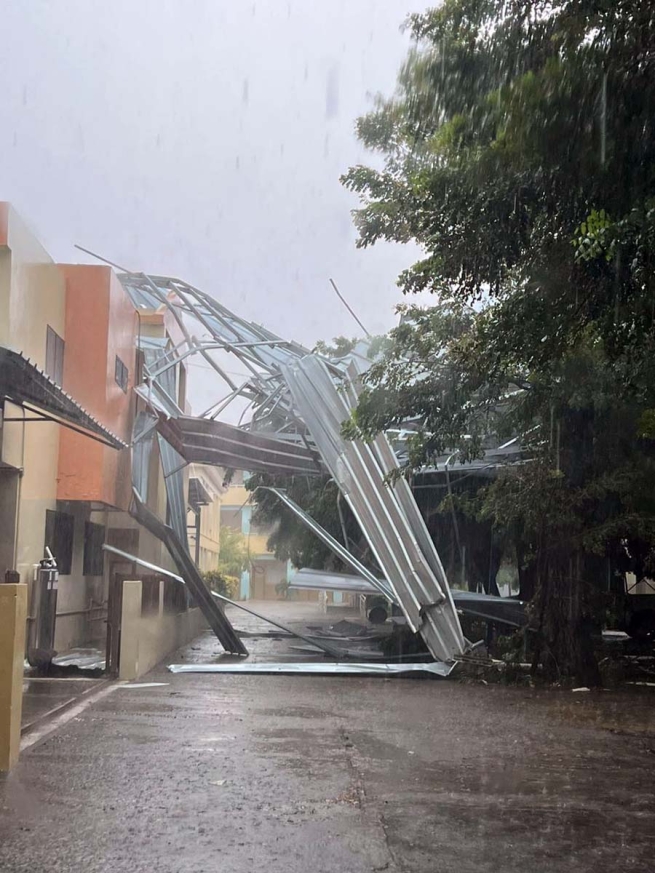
(335,775)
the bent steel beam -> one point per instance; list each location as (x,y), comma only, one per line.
(399,543)
(334,545)
(211,610)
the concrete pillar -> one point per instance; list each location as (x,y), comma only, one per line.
(130,629)
(246,516)
(13,615)
(244,590)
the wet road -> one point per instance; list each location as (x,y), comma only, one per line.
(336,775)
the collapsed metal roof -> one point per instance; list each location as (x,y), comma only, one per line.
(298,403)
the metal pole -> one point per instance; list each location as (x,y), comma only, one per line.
(345,303)
(198,510)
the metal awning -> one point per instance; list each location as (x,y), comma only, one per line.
(198,494)
(25,385)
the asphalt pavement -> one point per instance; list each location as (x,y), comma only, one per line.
(333,775)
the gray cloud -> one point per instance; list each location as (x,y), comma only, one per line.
(205,138)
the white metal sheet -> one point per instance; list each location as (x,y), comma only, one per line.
(435,668)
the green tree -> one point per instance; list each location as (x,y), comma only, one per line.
(519,151)
(233,553)
(291,539)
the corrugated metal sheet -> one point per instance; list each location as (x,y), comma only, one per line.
(388,515)
(324,580)
(504,610)
(205,441)
(211,610)
(323,669)
(173,467)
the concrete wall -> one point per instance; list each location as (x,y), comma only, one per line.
(147,640)
(38,295)
(101,324)
(210,528)
(644,586)
(13,611)
(77,623)
(265,575)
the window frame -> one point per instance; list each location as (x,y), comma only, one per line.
(55,350)
(93,557)
(121,375)
(59,535)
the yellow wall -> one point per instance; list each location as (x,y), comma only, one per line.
(210,532)
(32,296)
(146,640)
(237,497)
(265,571)
(13,612)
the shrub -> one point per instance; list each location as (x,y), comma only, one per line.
(221,583)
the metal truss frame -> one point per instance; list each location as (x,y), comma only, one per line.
(294,394)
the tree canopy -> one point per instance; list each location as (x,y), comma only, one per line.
(233,553)
(519,151)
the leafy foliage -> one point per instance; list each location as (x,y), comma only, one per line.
(223,584)
(291,539)
(519,151)
(233,552)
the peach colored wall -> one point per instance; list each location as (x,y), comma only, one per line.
(100,324)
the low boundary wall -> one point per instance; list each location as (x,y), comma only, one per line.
(148,639)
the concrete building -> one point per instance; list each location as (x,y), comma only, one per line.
(33,322)
(204,515)
(262,579)
(93,481)
(54,479)
(77,340)
(266,575)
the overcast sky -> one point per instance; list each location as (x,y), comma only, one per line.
(205,139)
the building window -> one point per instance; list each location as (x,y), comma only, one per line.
(54,356)
(94,538)
(121,374)
(59,539)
